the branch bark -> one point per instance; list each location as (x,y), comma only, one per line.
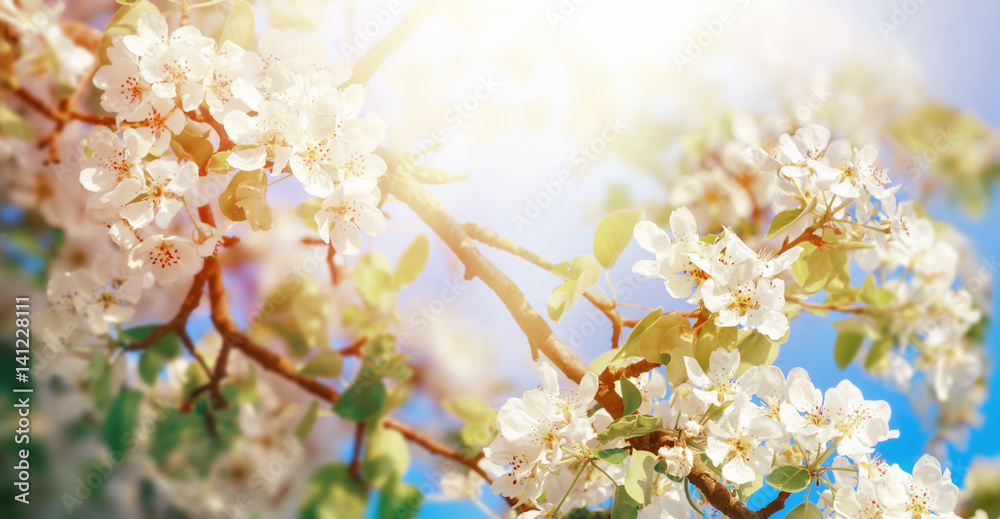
(540,335)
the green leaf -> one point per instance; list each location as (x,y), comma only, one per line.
(412,262)
(807,510)
(307,210)
(167,346)
(386,456)
(123,22)
(710,338)
(153,358)
(308,420)
(613,234)
(785,219)
(326,364)
(373,277)
(150,365)
(11,123)
(398,500)
(363,399)
(630,426)
(565,295)
(630,395)
(228,199)
(192,144)
(333,493)
(219,164)
(122,417)
(631,347)
(668,341)
(638,478)
(846,346)
(878,351)
(624,506)
(571,270)
(238,27)
(756,349)
(744,491)
(874,295)
(613,456)
(480,419)
(789,478)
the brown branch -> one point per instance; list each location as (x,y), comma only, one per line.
(203,116)
(484,235)
(191,301)
(354,469)
(828,306)
(540,335)
(334,274)
(723,500)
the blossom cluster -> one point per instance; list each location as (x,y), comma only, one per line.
(744,427)
(276,109)
(834,207)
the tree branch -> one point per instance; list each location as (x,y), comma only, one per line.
(540,335)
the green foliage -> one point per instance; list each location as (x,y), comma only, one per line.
(630,426)
(480,420)
(238,27)
(219,163)
(193,144)
(398,500)
(245,200)
(367,395)
(613,456)
(122,417)
(387,456)
(613,234)
(123,22)
(624,506)
(326,364)
(571,270)
(639,477)
(756,349)
(631,396)
(333,493)
(11,123)
(563,296)
(789,478)
(412,262)
(308,420)
(373,276)
(879,351)
(668,341)
(153,358)
(807,510)
(851,335)
(785,219)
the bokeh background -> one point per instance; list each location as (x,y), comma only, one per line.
(509,92)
